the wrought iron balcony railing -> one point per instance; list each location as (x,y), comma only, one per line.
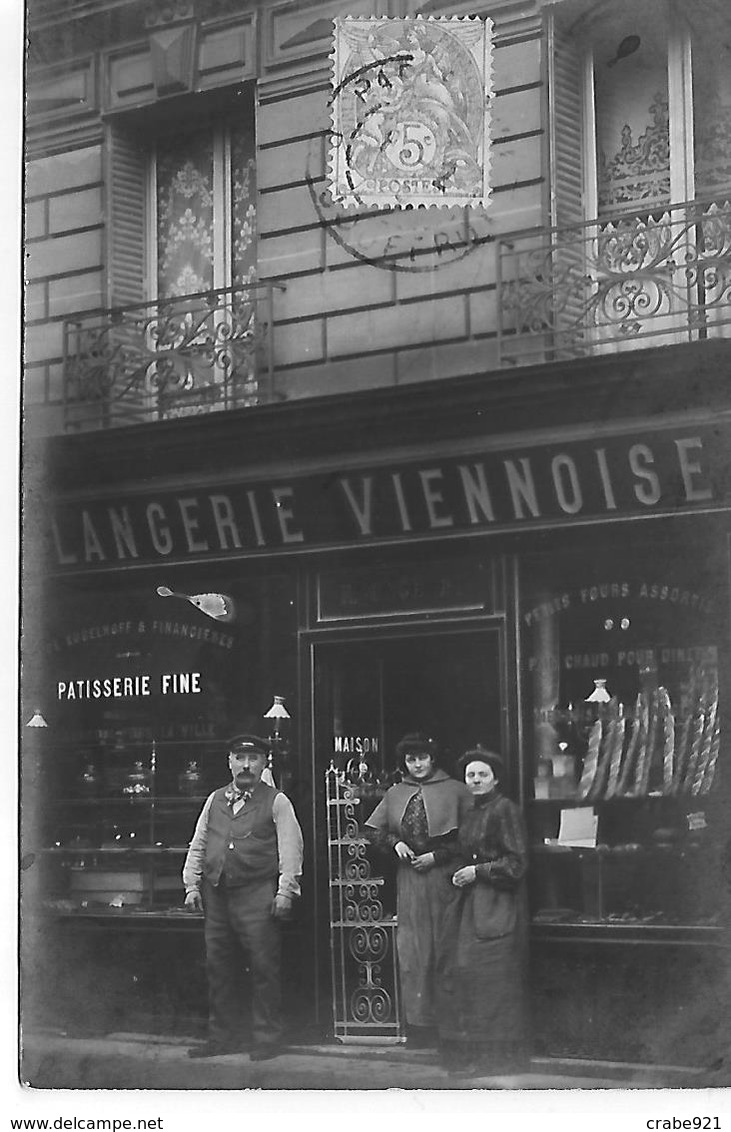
(177,357)
(624,282)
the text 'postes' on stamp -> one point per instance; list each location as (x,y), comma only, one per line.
(410,112)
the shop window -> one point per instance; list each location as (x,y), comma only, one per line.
(625,686)
(140,691)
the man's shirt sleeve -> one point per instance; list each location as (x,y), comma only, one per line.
(290,846)
(193,867)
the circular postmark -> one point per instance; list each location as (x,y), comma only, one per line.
(416,241)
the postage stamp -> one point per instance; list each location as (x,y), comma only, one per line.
(410,110)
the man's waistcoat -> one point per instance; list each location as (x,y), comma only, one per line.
(243,846)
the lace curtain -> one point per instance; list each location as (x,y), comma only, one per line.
(189,247)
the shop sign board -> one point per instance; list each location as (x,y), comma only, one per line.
(567,483)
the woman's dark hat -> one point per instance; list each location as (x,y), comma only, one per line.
(248,745)
(481,754)
(416,743)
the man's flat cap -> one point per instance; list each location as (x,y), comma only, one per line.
(248,745)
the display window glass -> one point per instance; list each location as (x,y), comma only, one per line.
(625,662)
(140,684)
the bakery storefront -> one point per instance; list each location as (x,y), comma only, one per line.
(334,574)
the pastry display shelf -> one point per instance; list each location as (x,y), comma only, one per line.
(583,929)
(178,801)
(618,800)
(128,918)
(106,850)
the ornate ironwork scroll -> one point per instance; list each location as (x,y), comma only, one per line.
(179,357)
(362,938)
(635,279)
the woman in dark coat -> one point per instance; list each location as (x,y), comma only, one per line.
(483,964)
(418,820)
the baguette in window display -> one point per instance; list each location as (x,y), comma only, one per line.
(634,765)
(612,743)
(668,746)
(644,760)
(698,728)
(709,727)
(591,760)
(715,748)
(682,745)
(619,766)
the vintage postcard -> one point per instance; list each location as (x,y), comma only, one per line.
(376,550)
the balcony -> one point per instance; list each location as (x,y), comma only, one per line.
(623,283)
(179,357)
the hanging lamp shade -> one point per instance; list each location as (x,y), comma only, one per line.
(277,710)
(600,695)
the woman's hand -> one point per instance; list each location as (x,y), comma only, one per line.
(403,851)
(282,907)
(465,876)
(423,863)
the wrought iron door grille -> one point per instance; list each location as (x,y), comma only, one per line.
(365,989)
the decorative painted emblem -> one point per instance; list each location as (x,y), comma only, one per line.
(410,112)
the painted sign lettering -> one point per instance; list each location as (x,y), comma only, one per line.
(664,473)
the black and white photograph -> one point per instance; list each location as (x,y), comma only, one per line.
(375,594)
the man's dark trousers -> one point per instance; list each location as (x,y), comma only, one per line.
(237,918)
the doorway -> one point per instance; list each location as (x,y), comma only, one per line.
(370,687)
(369,693)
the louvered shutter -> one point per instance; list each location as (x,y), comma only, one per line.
(572,153)
(126,179)
(568,138)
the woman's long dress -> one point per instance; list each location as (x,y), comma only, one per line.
(483,1001)
(425,815)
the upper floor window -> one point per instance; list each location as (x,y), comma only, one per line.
(186,334)
(182,200)
(646,91)
(639,247)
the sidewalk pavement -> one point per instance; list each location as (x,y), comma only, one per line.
(145,1061)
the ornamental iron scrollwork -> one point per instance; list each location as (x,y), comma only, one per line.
(637,279)
(179,357)
(362,937)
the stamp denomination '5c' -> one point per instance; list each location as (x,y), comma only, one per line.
(410,111)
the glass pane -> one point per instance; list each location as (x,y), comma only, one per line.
(712,114)
(625,721)
(243,200)
(633,144)
(185,215)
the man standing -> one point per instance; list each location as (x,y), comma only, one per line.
(242,870)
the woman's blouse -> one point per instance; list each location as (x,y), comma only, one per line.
(403,815)
(415,833)
(492,837)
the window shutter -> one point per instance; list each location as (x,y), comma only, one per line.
(569,141)
(126,178)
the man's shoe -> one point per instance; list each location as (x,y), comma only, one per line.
(213,1049)
(265,1052)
